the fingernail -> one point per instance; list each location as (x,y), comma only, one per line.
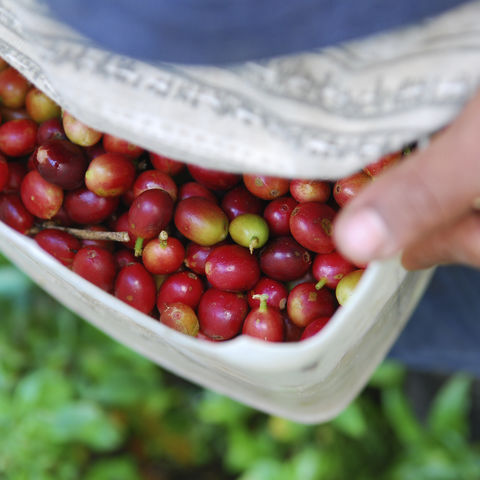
(363,236)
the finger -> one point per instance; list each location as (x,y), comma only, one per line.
(429,189)
(455,243)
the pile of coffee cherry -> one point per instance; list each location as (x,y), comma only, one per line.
(211,254)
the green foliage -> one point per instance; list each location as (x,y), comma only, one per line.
(74,404)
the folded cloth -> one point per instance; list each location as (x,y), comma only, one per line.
(216,31)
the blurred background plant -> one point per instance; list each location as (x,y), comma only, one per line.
(74,404)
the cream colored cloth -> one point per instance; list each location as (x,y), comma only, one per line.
(321,114)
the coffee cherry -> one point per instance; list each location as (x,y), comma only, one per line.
(221,314)
(96,265)
(232,268)
(284,259)
(180,317)
(61,162)
(201,221)
(59,244)
(40,107)
(311,226)
(346,286)
(18,137)
(249,230)
(110,175)
(135,286)
(305,303)
(263,322)
(41,198)
(183,287)
(163,255)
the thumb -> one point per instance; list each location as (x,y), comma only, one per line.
(431,188)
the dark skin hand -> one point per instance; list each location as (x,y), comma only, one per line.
(427,207)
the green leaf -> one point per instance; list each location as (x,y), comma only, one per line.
(388,374)
(13,283)
(87,423)
(218,409)
(308,464)
(401,417)
(450,408)
(246,448)
(265,469)
(114,469)
(351,421)
(42,388)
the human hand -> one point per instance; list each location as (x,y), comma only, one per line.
(427,206)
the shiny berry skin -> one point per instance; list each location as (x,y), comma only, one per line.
(265,323)
(232,268)
(314,327)
(50,130)
(305,303)
(180,317)
(196,257)
(18,137)
(121,225)
(266,187)
(214,179)
(110,175)
(84,207)
(96,265)
(277,215)
(13,88)
(61,162)
(347,285)
(201,221)
(150,179)
(249,230)
(40,107)
(3,172)
(124,257)
(150,213)
(79,133)
(284,259)
(136,287)
(59,244)
(330,268)
(221,314)
(239,200)
(41,198)
(310,190)
(114,144)
(16,172)
(195,189)
(14,213)
(311,226)
(165,164)
(163,255)
(347,188)
(276,293)
(184,287)
(293,333)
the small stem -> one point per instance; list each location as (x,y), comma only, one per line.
(321,283)
(138,246)
(162,238)
(263,301)
(83,234)
(253,244)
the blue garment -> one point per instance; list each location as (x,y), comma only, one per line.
(219,31)
(443,334)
